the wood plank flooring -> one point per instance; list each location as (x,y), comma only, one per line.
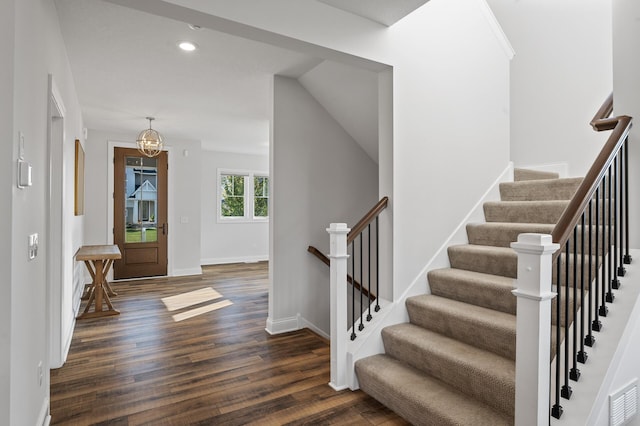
(208,361)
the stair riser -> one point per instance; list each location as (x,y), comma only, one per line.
(540,190)
(422,401)
(479,384)
(500,341)
(506,265)
(496,236)
(524,212)
(495,297)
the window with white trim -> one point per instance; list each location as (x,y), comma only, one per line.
(243,196)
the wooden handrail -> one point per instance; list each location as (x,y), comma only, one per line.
(317,253)
(585,192)
(601,120)
(367,219)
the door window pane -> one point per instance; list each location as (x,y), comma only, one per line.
(141,199)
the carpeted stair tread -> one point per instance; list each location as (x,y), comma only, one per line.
(477,288)
(538,190)
(486,259)
(527,174)
(548,211)
(502,234)
(480,374)
(477,326)
(421,399)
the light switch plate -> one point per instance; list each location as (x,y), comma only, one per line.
(33,246)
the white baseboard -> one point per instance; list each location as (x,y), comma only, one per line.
(235,259)
(44,418)
(304,323)
(186,271)
(282,325)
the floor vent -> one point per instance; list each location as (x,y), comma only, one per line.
(623,405)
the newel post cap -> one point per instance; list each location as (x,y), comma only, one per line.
(535,244)
(338,228)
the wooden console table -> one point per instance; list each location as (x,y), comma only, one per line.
(98,260)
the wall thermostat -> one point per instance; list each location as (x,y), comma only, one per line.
(24,174)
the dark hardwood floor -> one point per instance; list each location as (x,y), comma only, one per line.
(208,361)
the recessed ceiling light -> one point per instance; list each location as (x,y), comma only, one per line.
(187,46)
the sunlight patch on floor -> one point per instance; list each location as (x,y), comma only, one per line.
(184,300)
(201,310)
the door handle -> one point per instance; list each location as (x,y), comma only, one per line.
(165,228)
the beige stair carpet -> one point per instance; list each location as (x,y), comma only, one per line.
(453,363)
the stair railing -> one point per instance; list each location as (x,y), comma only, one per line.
(353,259)
(590,246)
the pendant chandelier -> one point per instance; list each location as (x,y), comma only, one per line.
(149,141)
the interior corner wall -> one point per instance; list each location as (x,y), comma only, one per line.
(38,50)
(560,75)
(229,242)
(185,174)
(319,175)
(626,85)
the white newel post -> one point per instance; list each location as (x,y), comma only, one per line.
(533,342)
(338,298)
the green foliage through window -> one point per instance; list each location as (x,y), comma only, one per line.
(232,199)
(261,196)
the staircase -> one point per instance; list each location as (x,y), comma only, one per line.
(454,362)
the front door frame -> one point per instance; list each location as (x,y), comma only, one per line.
(112,145)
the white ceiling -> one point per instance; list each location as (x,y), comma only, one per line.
(126,66)
(385,12)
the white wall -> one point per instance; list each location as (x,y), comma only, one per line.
(229,242)
(626,84)
(7,180)
(560,75)
(450,100)
(38,51)
(319,175)
(184,198)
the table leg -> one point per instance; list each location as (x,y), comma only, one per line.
(107,287)
(98,272)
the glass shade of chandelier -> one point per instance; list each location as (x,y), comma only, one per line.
(150,141)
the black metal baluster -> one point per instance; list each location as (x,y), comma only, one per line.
(574,374)
(589,340)
(566,389)
(609,296)
(604,310)
(369,273)
(556,410)
(582,355)
(361,326)
(597,325)
(377,271)
(627,256)
(353,290)
(621,219)
(615,283)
